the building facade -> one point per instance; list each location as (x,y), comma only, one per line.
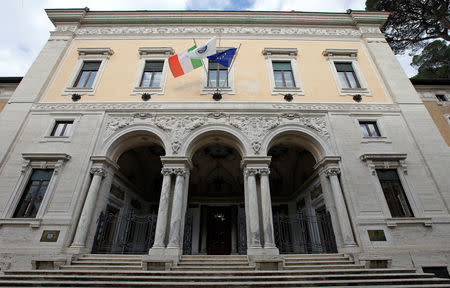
(318,144)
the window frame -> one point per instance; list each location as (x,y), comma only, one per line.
(283,55)
(33,161)
(383,138)
(366,123)
(334,56)
(47,137)
(217,75)
(395,161)
(88,55)
(398,202)
(64,123)
(152,54)
(205,89)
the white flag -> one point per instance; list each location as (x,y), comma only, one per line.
(205,50)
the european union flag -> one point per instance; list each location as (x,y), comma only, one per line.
(224,58)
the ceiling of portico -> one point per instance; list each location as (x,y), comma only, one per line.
(141,166)
(290,168)
(216,175)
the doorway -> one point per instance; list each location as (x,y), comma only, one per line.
(219,230)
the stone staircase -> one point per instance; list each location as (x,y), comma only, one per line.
(323,270)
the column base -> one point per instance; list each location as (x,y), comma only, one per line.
(77,249)
(262,251)
(166,255)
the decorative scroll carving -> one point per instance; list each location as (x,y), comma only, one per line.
(94,106)
(114,123)
(338,107)
(180,172)
(66,28)
(179,127)
(98,171)
(264,171)
(255,127)
(166,171)
(236,30)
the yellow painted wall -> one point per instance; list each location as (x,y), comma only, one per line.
(3,104)
(251,75)
(437,112)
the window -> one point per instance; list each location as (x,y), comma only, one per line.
(346,72)
(34,193)
(217,75)
(151,77)
(62,128)
(282,72)
(393,191)
(441,97)
(347,75)
(151,73)
(87,75)
(88,71)
(369,129)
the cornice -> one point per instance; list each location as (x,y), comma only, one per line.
(84,16)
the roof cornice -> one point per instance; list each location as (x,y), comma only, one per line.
(85,16)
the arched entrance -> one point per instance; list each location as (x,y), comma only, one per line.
(127,222)
(215,218)
(301,220)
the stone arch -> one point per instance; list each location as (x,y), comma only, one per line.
(131,137)
(299,136)
(222,133)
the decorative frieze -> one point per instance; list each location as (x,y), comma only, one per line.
(254,127)
(230,30)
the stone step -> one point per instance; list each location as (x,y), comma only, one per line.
(323,266)
(334,262)
(106,267)
(314,255)
(112,262)
(425,282)
(128,259)
(302,259)
(209,267)
(215,278)
(213,272)
(212,263)
(112,256)
(214,256)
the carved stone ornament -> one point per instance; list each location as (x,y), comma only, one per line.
(316,123)
(255,127)
(338,107)
(332,171)
(166,171)
(180,171)
(65,28)
(179,127)
(255,171)
(98,171)
(231,30)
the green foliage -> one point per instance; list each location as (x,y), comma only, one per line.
(413,22)
(434,62)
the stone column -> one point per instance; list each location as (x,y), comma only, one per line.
(163,209)
(252,213)
(79,240)
(341,209)
(266,209)
(177,207)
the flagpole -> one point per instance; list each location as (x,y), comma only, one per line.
(203,65)
(232,61)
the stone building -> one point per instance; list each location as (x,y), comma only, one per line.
(7,87)
(319,143)
(435,94)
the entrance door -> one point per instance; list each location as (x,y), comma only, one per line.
(219,230)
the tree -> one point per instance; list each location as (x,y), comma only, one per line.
(412,23)
(434,62)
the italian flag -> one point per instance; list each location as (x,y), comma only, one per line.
(181,63)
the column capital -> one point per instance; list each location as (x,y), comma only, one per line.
(166,171)
(332,171)
(180,171)
(250,172)
(264,171)
(98,171)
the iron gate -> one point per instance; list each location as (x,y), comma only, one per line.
(304,234)
(129,234)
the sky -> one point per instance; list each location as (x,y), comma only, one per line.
(25,26)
